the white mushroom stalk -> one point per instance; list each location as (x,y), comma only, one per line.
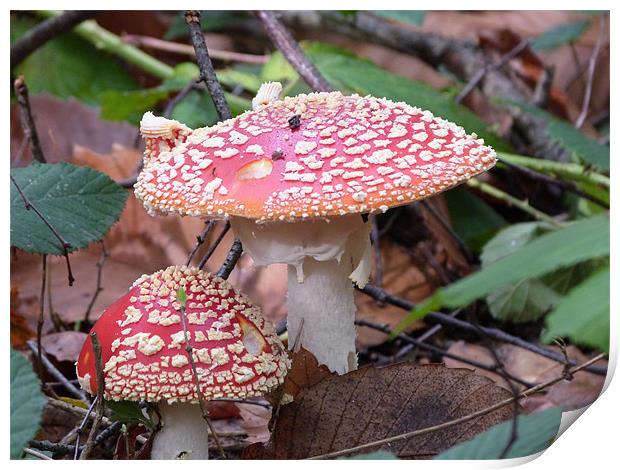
(324,257)
(183,435)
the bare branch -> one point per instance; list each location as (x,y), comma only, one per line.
(284,41)
(231,259)
(27,121)
(200,239)
(214,246)
(90,441)
(98,287)
(207,73)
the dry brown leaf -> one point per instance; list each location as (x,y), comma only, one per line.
(63,124)
(369,404)
(64,346)
(222,410)
(531,367)
(305,372)
(20,330)
(255,422)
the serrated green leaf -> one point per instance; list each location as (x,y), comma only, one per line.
(583,315)
(81,204)
(68,66)
(415,17)
(581,240)
(535,433)
(27,402)
(560,35)
(465,207)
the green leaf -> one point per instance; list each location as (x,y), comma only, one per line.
(526,301)
(509,240)
(68,66)
(464,207)
(378,455)
(130,105)
(232,77)
(535,432)
(27,403)
(581,240)
(79,202)
(195,110)
(181,296)
(583,315)
(129,412)
(582,147)
(415,17)
(560,35)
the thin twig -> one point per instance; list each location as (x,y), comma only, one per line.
(231,259)
(434,349)
(200,239)
(585,107)
(98,287)
(447,320)
(56,373)
(284,41)
(64,244)
(180,96)
(43,32)
(178,48)
(498,64)
(27,121)
(201,401)
(36,454)
(214,246)
(462,419)
(245,402)
(76,410)
(80,429)
(512,201)
(90,441)
(207,72)
(41,320)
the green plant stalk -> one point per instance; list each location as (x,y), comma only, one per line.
(573,170)
(512,201)
(105,40)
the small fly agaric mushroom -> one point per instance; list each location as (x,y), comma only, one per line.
(294,175)
(236,353)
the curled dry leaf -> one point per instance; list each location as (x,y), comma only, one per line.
(369,404)
(579,392)
(305,372)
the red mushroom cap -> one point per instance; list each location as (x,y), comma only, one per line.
(236,352)
(349,154)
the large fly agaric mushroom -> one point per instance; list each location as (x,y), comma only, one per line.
(236,353)
(294,176)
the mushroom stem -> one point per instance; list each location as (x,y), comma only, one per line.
(321,313)
(184,434)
